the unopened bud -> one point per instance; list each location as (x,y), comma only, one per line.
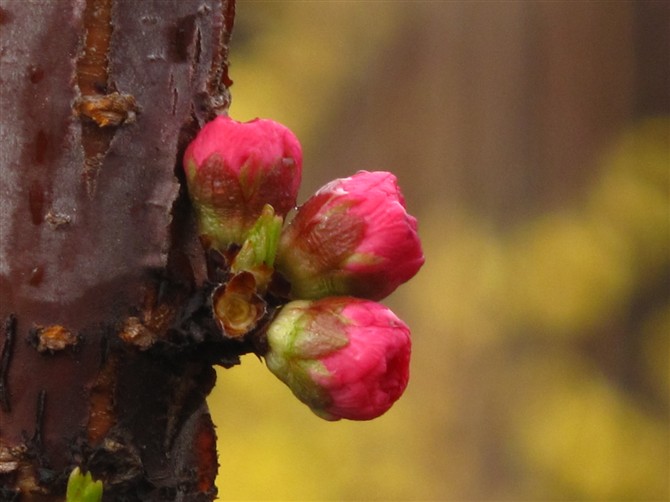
(233,169)
(353,237)
(343,357)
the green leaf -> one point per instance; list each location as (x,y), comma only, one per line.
(260,246)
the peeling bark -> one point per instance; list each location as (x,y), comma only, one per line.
(104,361)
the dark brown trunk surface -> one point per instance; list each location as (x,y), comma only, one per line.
(101,364)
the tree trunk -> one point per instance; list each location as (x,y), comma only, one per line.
(104,363)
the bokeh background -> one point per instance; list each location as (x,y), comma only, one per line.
(531,140)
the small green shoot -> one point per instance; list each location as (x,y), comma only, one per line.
(82,488)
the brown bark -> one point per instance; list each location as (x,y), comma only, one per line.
(105,356)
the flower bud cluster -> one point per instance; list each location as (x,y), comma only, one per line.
(349,245)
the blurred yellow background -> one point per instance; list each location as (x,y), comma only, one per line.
(531,140)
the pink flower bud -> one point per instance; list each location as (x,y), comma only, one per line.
(233,169)
(353,237)
(343,357)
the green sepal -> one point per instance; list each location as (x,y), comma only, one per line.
(220,218)
(82,487)
(299,332)
(325,334)
(297,375)
(301,336)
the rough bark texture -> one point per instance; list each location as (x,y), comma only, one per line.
(101,273)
